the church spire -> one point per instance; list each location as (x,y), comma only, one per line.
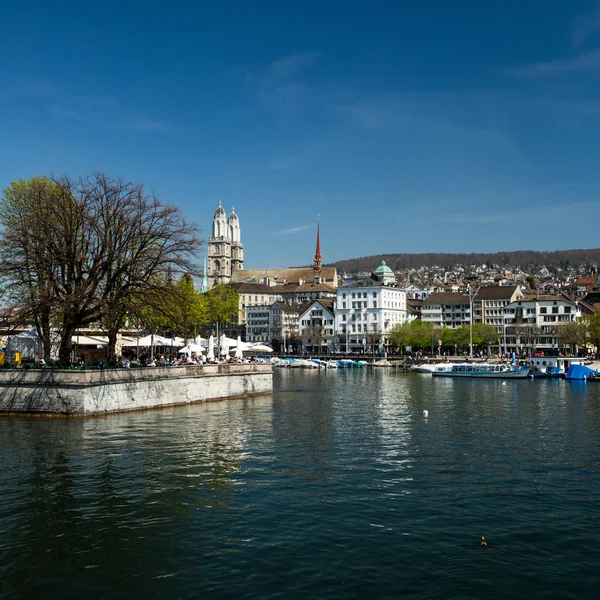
(318,257)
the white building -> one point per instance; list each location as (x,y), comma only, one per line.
(366,310)
(447,309)
(316,327)
(531,322)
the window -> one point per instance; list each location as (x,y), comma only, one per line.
(554,309)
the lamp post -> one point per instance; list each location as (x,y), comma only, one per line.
(471,298)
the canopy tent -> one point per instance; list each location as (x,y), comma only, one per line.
(192,348)
(89,340)
(156,340)
(260,348)
(28,344)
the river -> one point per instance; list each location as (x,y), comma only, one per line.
(336,486)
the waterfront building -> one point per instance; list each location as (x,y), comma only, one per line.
(258,320)
(530,322)
(447,309)
(225,248)
(366,310)
(252,295)
(285,320)
(489,303)
(316,327)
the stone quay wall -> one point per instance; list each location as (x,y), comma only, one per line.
(93,392)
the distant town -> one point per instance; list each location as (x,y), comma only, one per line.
(323,309)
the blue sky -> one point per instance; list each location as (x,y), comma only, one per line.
(409,126)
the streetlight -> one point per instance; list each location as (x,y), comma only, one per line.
(471,298)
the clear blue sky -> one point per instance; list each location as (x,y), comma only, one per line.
(410,126)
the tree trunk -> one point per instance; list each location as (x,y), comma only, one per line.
(112,344)
(42,326)
(65,349)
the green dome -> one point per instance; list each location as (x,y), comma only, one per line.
(384,270)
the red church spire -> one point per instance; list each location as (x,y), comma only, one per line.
(318,257)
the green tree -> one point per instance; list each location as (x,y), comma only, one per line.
(73,249)
(400,336)
(27,273)
(222,305)
(189,312)
(484,334)
(422,334)
(592,323)
(448,337)
(572,334)
(463,337)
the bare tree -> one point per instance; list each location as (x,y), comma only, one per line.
(71,251)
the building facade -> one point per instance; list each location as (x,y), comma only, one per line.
(366,311)
(316,327)
(447,309)
(531,323)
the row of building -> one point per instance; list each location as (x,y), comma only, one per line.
(312,310)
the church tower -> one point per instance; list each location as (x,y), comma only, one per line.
(225,249)
(318,258)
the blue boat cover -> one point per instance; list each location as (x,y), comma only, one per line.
(579,372)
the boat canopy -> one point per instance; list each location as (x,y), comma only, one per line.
(579,372)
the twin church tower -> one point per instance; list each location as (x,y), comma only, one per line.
(225,248)
(226,254)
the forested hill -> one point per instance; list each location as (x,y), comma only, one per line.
(525,259)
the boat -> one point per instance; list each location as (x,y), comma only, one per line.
(554,366)
(484,371)
(427,367)
(581,372)
(344,363)
(382,363)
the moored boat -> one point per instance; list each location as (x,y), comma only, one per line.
(427,367)
(484,371)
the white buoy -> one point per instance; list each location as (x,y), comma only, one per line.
(425,413)
(504,383)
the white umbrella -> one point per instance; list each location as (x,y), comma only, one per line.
(191,348)
(261,348)
(210,355)
(224,345)
(238,348)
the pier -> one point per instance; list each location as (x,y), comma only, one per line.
(94,392)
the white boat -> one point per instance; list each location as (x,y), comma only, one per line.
(554,366)
(332,364)
(427,367)
(484,371)
(382,363)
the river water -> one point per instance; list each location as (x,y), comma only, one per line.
(336,486)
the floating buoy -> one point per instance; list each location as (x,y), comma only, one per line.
(425,413)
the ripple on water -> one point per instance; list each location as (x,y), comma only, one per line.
(334,487)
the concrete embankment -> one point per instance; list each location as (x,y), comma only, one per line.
(81,393)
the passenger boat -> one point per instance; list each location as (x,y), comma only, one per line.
(427,367)
(484,371)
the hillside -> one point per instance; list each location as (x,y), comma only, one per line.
(525,259)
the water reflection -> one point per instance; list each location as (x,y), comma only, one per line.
(335,486)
